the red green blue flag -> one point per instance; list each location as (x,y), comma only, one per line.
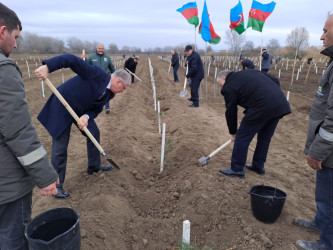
(258,14)
(206,28)
(237,18)
(190,12)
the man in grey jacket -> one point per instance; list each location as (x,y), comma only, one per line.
(23,161)
(319,152)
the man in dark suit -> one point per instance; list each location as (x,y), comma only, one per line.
(195,72)
(86,93)
(264,103)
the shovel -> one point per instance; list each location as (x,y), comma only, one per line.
(133,74)
(169,69)
(203,160)
(184,92)
(77,119)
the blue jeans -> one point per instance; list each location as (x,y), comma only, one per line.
(175,76)
(13,218)
(59,151)
(324,200)
(244,136)
(107,105)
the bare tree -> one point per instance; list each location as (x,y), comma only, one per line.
(235,41)
(113,48)
(298,39)
(273,44)
(75,44)
(248,45)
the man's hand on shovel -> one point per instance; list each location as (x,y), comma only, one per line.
(83,122)
(42,72)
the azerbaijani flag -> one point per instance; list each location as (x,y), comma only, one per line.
(259,13)
(237,19)
(190,12)
(206,28)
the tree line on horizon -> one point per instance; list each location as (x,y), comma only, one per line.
(33,43)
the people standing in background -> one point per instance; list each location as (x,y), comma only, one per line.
(265,61)
(175,65)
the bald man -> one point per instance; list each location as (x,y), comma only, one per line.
(100,59)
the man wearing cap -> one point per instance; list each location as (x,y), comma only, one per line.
(195,72)
(130,64)
(265,61)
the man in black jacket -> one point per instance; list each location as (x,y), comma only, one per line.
(175,65)
(264,103)
(246,63)
(195,72)
(130,64)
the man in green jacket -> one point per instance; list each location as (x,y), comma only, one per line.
(99,58)
(23,160)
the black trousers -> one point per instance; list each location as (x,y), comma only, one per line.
(59,151)
(195,84)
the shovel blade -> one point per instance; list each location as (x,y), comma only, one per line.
(110,161)
(183,93)
(203,160)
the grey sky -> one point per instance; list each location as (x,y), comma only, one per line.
(153,23)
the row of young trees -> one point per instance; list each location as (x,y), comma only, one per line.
(33,43)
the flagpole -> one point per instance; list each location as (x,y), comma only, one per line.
(262,41)
(206,67)
(195,38)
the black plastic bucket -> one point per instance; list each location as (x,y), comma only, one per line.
(267,202)
(56,229)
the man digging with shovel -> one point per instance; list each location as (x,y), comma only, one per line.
(86,93)
(264,103)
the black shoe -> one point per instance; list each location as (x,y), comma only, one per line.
(107,111)
(306,224)
(310,245)
(230,172)
(190,99)
(193,106)
(90,171)
(62,194)
(257,170)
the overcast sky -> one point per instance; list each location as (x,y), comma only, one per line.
(154,23)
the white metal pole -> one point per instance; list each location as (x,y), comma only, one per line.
(162,148)
(159,117)
(288,92)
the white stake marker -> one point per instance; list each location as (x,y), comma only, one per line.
(159,117)
(162,148)
(186,231)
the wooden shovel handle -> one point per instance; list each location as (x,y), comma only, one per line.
(74,115)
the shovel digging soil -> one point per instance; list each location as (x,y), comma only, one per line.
(77,119)
(203,160)
(184,92)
